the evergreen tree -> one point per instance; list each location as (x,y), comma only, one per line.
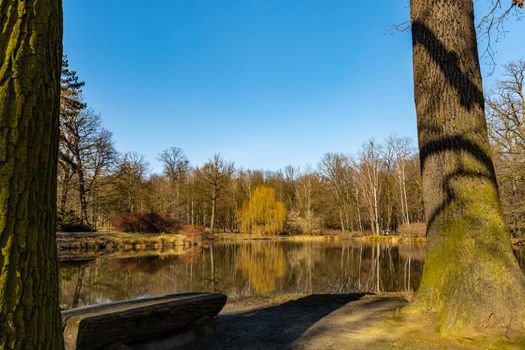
(86,148)
(71,105)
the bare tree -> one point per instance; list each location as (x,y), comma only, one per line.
(506,111)
(215,174)
(370,165)
(491,27)
(337,171)
(130,177)
(87,149)
(176,169)
(506,117)
(401,148)
(305,196)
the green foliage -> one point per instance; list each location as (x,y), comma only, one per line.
(69,221)
(262,214)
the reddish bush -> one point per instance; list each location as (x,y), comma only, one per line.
(192,230)
(145,223)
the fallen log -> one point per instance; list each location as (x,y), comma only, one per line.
(95,327)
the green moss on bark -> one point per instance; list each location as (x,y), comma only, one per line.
(30,56)
(471,278)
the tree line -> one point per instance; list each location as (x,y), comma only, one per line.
(377,190)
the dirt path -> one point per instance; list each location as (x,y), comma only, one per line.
(276,326)
(351,321)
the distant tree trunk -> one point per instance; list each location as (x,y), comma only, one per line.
(212,219)
(341,219)
(82,193)
(30,59)
(359,222)
(66,183)
(471,278)
(403,191)
(407,212)
(376,212)
(192,213)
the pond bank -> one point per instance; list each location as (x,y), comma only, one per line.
(393,239)
(94,244)
(344,321)
(356,236)
(74,246)
(252,237)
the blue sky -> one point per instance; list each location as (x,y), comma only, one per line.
(266,83)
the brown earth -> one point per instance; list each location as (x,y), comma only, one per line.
(351,321)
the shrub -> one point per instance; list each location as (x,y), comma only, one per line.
(145,223)
(69,221)
(297,224)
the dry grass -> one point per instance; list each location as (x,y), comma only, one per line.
(378,322)
(391,239)
(113,241)
(251,237)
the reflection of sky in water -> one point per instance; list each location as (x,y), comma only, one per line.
(248,269)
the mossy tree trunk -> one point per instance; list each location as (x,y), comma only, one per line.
(30,58)
(471,278)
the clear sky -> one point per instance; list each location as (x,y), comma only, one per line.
(266,83)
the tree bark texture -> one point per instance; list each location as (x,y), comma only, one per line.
(30,60)
(471,277)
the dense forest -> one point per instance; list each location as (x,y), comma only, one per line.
(377,189)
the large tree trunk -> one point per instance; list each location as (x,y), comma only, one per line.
(30,59)
(471,278)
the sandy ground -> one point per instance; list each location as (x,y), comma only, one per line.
(351,321)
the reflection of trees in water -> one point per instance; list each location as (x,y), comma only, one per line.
(145,264)
(375,268)
(303,262)
(262,265)
(249,268)
(73,272)
(106,279)
(412,251)
(374,282)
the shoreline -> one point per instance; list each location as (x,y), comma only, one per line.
(89,245)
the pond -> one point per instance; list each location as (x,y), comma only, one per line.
(249,268)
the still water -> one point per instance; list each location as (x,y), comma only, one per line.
(240,269)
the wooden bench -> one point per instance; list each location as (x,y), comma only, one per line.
(95,327)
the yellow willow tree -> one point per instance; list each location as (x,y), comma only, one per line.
(262,264)
(471,279)
(30,59)
(262,213)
